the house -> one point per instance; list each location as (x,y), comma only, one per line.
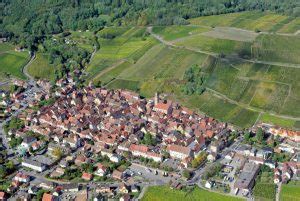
(125,197)
(28,141)
(24,178)
(49,197)
(72,187)
(87,176)
(165,108)
(247,177)
(209,184)
(179,152)
(212,156)
(34,165)
(117,175)
(101,170)
(33,190)
(123,188)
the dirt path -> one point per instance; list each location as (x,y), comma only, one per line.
(25,68)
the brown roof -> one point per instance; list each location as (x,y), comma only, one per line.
(47,197)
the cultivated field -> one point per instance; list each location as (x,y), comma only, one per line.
(126,44)
(251,20)
(164,193)
(290,192)
(11,62)
(40,68)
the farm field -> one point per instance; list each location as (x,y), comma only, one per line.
(277,48)
(12,62)
(246,85)
(291,27)
(174,32)
(261,86)
(213,45)
(164,193)
(290,192)
(250,20)
(40,68)
(129,44)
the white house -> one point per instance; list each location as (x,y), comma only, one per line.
(37,166)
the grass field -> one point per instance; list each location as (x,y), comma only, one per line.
(40,68)
(164,193)
(264,191)
(12,62)
(290,192)
(251,20)
(4,47)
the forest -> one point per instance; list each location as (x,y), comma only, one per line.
(28,21)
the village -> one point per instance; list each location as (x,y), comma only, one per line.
(61,142)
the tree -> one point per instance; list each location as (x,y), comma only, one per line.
(187,174)
(259,135)
(247,136)
(57,152)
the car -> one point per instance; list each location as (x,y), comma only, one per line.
(140,173)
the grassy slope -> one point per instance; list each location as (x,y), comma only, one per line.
(11,61)
(164,193)
(40,68)
(290,192)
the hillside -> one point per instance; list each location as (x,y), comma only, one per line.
(256,79)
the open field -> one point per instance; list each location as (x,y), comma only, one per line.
(12,62)
(251,20)
(290,192)
(174,32)
(164,193)
(40,68)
